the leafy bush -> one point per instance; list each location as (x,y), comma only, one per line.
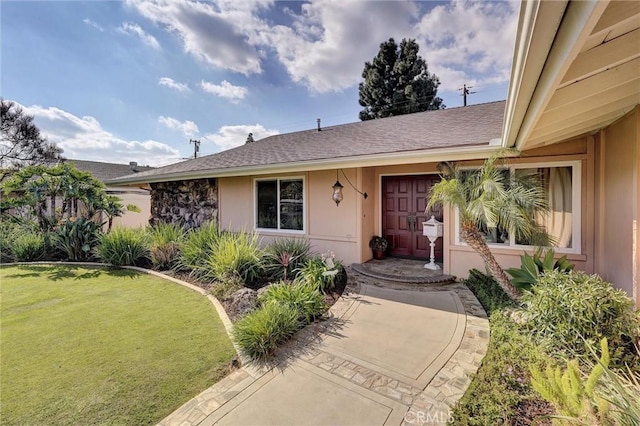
(261,332)
(198,247)
(322,272)
(575,400)
(565,311)
(123,246)
(488,292)
(599,395)
(304,298)
(236,255)
(533,266)
(222,290)
(10,228)
(77,237)
(164,233)
(501,392)
(165,241)
(28,246)
(284,256)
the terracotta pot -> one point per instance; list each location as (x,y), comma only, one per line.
(378,254)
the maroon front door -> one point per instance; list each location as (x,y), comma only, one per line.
(404,199)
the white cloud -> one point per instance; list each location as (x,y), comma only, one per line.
(171,83)
(135,30)
(84,138)
(93,24)
(476,44)
(327,42)
(231,136)
(189,128)
(216,34)
(225,90)
(326,47)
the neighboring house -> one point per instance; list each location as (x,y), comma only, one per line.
(572,110)
(129,195)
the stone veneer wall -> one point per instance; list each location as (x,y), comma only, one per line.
(188,202)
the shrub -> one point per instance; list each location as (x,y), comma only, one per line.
(304,298)
(501,392)
(164,233)
(166,256)
(285,256)
(575,400)
(222,290)
(235,255)
(198,247)
(533,266)
(600,395)
(322,272)
(488,292)
(165,240)
(77,237)
(123,246)
(570,311)
(28,246)
(261,332)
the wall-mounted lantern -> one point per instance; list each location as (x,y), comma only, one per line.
(337,188)
(337,192)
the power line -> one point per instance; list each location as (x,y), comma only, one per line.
(196,147)
(465,91)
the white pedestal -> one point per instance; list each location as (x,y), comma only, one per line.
(432,264)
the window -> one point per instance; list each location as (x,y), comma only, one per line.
(562,184)
(280,204)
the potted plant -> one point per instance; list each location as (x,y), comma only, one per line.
(378,245)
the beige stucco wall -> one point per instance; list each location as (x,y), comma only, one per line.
(235,203)
(139,198)
(617,160)
(327,227)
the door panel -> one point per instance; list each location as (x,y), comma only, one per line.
(404,202)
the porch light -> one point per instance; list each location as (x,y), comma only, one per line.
(337,192)
(337,188)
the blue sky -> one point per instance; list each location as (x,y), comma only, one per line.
(135,80)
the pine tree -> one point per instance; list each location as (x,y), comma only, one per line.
(397,82)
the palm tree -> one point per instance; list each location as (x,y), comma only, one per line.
(490,197)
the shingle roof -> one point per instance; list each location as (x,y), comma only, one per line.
(455,127)
(107,171)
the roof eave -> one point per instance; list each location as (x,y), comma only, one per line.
(469,152)
(550,35)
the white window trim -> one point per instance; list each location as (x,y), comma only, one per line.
(304,205)
(576,200)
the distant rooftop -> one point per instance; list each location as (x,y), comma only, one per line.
(106,171)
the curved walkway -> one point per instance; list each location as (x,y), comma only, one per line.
(389,353)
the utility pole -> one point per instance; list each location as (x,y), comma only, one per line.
(465,91)
(196,147)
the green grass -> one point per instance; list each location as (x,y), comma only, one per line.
(96,346)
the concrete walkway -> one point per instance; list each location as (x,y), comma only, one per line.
(399,355)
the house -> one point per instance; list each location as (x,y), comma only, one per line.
(572,111)
(127,194)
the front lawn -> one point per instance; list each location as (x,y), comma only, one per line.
(97,346)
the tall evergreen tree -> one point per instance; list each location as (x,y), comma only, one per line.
(397,82)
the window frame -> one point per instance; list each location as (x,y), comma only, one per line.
(576,202)
(304,205)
